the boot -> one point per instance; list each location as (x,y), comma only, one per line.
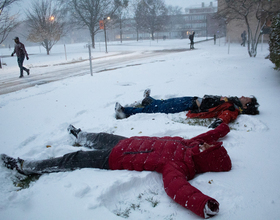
(147,93)
(74,131)
(12,163)
(119,113)
(146,101)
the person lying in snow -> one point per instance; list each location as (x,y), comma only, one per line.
(177,159)
(225,109)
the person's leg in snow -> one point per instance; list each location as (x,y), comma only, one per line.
(151,105)
(101,143)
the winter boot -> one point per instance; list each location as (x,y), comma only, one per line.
(119,113)
(12,163)
(146,101)
(74,131)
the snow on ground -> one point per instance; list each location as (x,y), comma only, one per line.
(33,118)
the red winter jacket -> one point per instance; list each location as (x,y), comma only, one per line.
(178,160)
(224,111)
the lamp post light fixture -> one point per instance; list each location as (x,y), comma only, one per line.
(52,18)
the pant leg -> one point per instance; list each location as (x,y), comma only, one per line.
(20,65)
(173,105)
(100,141)
(69,162)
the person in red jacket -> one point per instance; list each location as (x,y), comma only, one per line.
(225,109)
(176,158)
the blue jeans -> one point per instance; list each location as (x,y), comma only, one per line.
(173,105)
(20,64)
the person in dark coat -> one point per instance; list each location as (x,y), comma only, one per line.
(191,37)
(21,54)
(225,109)
(244,38)
(176,158)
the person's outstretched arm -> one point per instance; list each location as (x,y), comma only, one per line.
(175,178)
(213,135)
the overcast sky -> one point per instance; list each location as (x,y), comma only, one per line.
(182,3)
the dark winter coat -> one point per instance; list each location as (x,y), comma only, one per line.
(20,50)
(213,107)
(178,160)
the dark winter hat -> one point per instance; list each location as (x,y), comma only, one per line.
(16,38)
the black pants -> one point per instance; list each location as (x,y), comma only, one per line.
(101,145)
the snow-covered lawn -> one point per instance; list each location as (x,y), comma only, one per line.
(33,118)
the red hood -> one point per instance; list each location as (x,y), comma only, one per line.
(214,159)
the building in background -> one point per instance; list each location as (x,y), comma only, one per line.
(201,20)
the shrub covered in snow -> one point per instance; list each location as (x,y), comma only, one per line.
(274,43)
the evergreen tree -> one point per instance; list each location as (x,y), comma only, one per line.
(274,43)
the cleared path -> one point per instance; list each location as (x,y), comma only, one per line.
(121,60)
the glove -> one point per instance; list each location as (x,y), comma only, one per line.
(216,123)
(12,54)
(27,58)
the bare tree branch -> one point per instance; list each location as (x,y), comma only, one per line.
(88,13)
(254,13)
(46,23)
(151,15)
(7,23)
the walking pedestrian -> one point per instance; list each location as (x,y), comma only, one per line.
(21,54)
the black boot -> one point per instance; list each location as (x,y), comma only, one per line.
(147,101)
(72,130)
(12,163)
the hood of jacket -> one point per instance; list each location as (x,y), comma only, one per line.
(214,159)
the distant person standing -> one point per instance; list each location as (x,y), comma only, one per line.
(21,54)
(215,39)
(244,38)
(191,37)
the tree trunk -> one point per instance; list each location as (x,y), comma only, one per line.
(46,46)
(252,44)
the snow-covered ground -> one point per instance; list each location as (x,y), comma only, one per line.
(33,118)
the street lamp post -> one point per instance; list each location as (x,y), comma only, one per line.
(108,18)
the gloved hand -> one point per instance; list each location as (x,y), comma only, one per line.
(216,123)
(12,54)
(27,58)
